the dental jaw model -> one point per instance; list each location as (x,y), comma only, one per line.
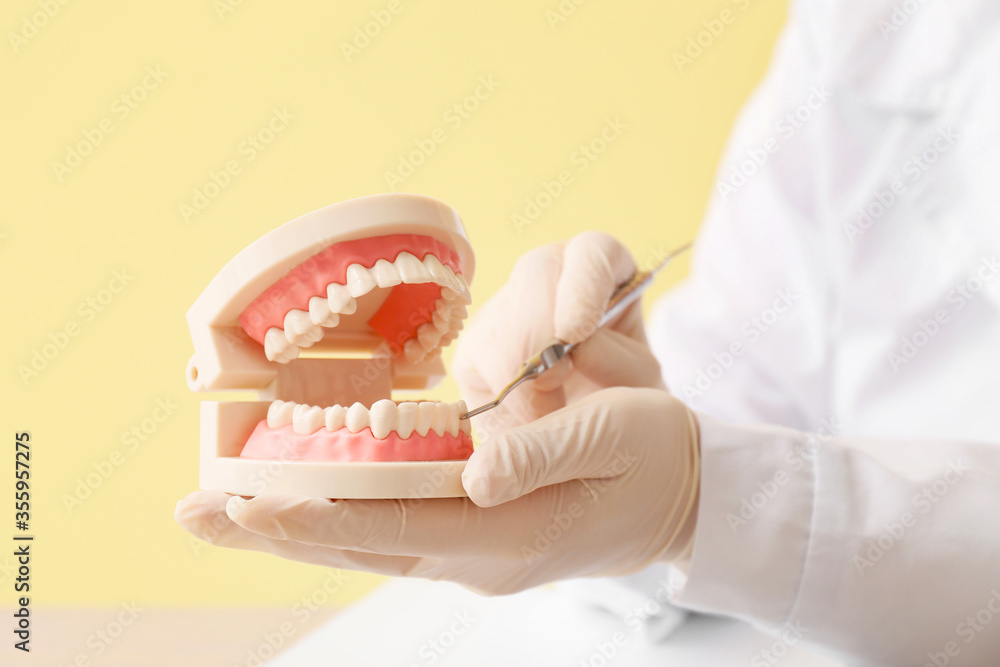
(322,319)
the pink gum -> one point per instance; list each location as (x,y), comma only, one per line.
(284,444)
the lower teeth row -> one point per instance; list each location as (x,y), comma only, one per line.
(384,417)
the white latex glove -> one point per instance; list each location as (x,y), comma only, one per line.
(556,291)
(605,486)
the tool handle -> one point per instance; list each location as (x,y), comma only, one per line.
(627,294)
(630,291)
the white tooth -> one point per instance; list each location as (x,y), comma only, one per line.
(286,412)
(299,329)
(448,337)
(320,313)
(428,335)
(462,296)
(335,417)
(277,348)
(274,343)
(425,416)
(339,299)
(444,308)
(272,414)
(386,274)
(279,414)
(414,351)
(315,419)
(456,322)
(411,269)
(307,419)
(439,272)
(357,418)
(406,418)
(452,283)
(451,427)
(313,335)
(440,323)
(440,422)
(459,286)
(383,418)
(464,425)
(359,280)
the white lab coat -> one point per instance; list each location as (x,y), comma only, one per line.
(849,286)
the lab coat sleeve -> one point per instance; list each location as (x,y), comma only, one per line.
(880,552)
(747,337)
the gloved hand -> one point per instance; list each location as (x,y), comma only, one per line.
(605,486)
(556,291)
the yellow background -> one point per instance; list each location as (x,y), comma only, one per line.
(226,71)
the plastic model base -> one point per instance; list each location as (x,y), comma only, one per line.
(295,325)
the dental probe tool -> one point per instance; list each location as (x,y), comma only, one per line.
(625,295)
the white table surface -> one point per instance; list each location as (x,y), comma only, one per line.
(416,623)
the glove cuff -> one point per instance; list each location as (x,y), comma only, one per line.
(677,534)
(681,543)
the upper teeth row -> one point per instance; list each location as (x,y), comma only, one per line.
(384,417)
(304,328)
